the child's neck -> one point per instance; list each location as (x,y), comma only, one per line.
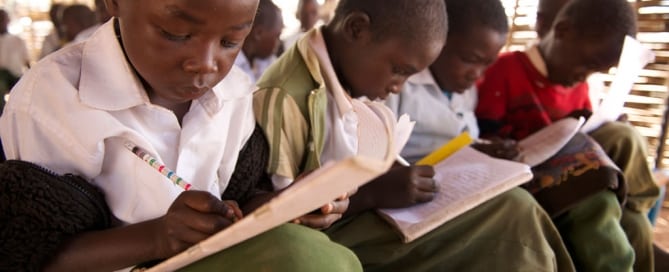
(179,109)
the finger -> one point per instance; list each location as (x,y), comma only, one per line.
(319,221)
(208,223)
(234,211)
(339,206)
(183,234)
(205,202)
(424,171)
(422,196)
(426,184)
(192,236)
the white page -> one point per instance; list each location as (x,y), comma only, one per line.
(633,59)
(465,180)
(403,131)
(546,142)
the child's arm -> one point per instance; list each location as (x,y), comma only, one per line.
(193,216)
(498,148)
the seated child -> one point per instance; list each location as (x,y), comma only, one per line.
(526,91)
(260,47)
(307,14)
(159,76)
(546,12)
(314,105)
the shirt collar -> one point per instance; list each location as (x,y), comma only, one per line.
(314,52)
(537,60)
(423,78)
(109,82)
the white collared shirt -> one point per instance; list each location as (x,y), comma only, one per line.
(74,111)
(257,69)
(438,118)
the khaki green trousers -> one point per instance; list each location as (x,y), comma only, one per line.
(628,149)
(508,233)
(594,236)
(290,248)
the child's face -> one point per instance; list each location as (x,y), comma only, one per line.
(570,60)
(268,39)
(308,15)
(182,48)
(377,68)
(466,56)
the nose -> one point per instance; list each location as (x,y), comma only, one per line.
(202,61)
(475,74)
(395,88)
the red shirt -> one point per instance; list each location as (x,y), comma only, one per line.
(516,100)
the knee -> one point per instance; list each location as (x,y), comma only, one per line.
(305,249)
(517,197)
(619,137)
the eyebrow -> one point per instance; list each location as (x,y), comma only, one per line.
(178,13)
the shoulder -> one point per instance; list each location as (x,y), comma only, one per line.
(236,85)
(287,79)
(52,79)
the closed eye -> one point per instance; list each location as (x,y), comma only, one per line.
(174,37)
(228,44)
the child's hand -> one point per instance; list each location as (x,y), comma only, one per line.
(580,113)
(402,187)
(326,215)
(194,216)
(498,148)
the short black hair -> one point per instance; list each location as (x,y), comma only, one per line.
(600,19)
(82,14)
(464,14)
(267,13)
(409,19)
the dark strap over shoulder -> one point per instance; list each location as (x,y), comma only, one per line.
(250,177)
(39,210)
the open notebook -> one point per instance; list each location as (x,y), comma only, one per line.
(465,180)
(318,188)
(545,143)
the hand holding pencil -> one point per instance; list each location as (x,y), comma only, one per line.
(192,217)
(233,213)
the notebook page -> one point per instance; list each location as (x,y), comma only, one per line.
(546,142)
(465,180)
(633,59)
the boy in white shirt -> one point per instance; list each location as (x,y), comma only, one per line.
(159,76)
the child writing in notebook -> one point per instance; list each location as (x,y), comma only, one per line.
(314,106)
(443,98)
(158,76)
(526,91)
(626,148)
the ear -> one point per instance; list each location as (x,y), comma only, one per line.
(357,26)
(562,29)
(256,33)
(112,7)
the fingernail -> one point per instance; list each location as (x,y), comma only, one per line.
(328,208)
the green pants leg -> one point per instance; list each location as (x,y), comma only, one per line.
(288,247)
(627,148)
(593,234)
(640,235)
(508,233)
